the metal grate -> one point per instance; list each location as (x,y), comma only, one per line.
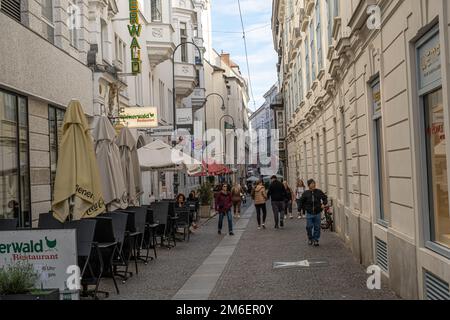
(11,8)
(435,288)
(381,253)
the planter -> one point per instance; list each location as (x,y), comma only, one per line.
(41,295)
(205,211)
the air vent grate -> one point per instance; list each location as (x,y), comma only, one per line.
(435,288)
(11,8)
(381,253)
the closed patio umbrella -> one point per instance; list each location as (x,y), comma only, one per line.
(110,167)
(130,166)
(77,184)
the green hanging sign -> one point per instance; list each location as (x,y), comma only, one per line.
(135,28)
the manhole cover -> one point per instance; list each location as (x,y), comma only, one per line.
(309,263)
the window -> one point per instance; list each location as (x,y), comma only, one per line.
(121,48)
(48,27)
(73,15)
(305,160)
(319,36)
(379,152)
(183,39)
(330,21)
(104,39)
(14,167)
(313,52)
(195,31)
(170,100)
(55,121)
(319,171)
(308,67)
(300,77)
(156,10)
(437,168)
(344,160)
(325,159)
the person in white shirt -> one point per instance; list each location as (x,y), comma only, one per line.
(152,198)
(298,194)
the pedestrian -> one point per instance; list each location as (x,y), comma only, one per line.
(223,207)
(300,189)
(180,201)
(313,202)
(288,201)
(259,196)
(237,199)
(277,195)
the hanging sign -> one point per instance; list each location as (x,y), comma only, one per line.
(139,117)
(430,62)
(135,28)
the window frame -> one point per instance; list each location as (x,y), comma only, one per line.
(55,109)
(49,23)
(422,93)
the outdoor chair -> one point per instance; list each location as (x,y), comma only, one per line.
(8,224)
(47,221)
(119,221)
(150,233)
(140,220)
(183,221)
(107,244)
(87,250)
(161,217)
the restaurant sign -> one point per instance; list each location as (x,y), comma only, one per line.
(50,252)
(135,28)
(430,62)
(139,117)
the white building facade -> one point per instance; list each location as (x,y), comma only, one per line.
(366,95)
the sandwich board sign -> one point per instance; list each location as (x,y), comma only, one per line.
(50,252)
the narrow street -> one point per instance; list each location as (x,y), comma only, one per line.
(242,267)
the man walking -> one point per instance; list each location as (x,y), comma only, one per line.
(277,194)
(313,202)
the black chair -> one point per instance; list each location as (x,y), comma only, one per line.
(87,249)
(161,217)
(183,221)
(47,221)
(8,224)
(150,234)
(119,221)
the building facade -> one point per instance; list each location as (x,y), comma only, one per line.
(365,88)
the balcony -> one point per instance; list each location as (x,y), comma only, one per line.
(185,79)
(198,98)
(160,43)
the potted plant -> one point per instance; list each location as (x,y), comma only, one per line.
(17,282)
(205,198)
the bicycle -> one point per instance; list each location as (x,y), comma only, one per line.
(327,220)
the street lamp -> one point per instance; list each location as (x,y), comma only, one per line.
(224,134)
(174,106)
(204,111)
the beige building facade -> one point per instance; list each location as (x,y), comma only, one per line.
(366,94)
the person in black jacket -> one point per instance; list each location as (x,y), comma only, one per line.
(312,202)
(277,194)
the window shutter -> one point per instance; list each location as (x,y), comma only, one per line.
(11,8)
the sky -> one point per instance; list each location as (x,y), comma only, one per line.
(227,36)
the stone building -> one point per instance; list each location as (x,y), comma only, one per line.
(366,89)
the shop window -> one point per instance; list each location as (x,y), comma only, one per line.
(14,164)
(55,122)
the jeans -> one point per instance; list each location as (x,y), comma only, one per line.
(259,208)
(237,207)
(299,210)
(278,212)
(313,226)
(287,207)
(229,218)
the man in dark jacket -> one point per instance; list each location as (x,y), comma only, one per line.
(312,202)
(277,194)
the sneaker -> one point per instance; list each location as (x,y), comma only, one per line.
(219,232)
(299,217)
(259,227)
(264,226)
(291,217)
(310,242)
(285,217)
(316,243)
(238,216)
(231,234)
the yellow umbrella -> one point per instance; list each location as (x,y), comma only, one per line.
(78,190)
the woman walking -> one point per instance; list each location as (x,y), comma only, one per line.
(260,197)
(223,207)
(237,199)
(288,201)
(298,195)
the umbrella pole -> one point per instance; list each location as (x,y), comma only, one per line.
(71,207)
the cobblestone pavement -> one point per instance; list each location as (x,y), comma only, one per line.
(162,278)
(248,270)
(249,273)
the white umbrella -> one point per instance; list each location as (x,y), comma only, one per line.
(252,179)
(110,167)
(130,166)
(158,155)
